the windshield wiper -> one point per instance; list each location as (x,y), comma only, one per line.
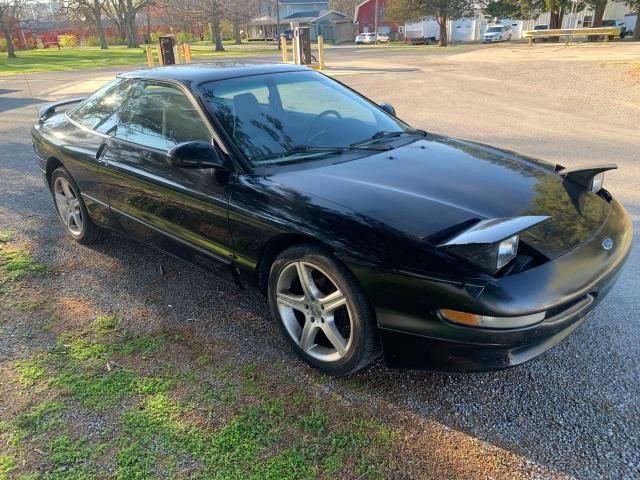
(311,149)
(382,135)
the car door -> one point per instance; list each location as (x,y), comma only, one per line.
(84,134)
(179,210)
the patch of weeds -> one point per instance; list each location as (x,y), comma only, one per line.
(29,305)
(331,463)
(86,349)
(133,462)
(140,343)
(315,422)
(71,459)
(5,236)
(98,390)
(152,385)
(40,418)
(30,371)
(290,464)
(7,464)
(15,263)
(202,360)
(106,323)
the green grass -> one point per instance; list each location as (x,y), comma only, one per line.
(160,419)
(16,263)
(78,58)
(5,236)
(30,371)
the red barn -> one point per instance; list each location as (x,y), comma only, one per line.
(365,17)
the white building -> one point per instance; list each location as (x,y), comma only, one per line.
(472,28)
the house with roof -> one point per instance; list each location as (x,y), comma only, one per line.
(371,13)
(335,27)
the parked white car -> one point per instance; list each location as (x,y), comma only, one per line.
(497,33)
(370,37)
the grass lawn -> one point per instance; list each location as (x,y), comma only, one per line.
(32,61)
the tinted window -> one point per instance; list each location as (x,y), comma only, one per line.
(97,111)
(161,116)
(267,115)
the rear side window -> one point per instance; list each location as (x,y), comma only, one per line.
(160,116)
(98,111)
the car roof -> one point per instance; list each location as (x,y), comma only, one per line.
(207,72)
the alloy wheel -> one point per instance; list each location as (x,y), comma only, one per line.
(68,205)
(314,311)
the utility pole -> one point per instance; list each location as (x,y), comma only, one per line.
(278,24)
(375,21)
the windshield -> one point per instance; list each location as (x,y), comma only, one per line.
(540,27)
(302,114)
(608,23)
(494,29)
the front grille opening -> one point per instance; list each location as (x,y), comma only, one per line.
(555,311)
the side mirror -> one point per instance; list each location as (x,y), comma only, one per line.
(387,107)
(196,154)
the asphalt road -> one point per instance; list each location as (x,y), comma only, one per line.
(574,410)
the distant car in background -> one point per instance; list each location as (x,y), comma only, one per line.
(617,23)
(370,38)
(541,27)
(288,34)
(497,33)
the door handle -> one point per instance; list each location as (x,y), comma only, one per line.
(101,149)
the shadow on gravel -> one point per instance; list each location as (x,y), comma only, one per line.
(10,103)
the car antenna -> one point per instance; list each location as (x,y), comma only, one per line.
(29,89)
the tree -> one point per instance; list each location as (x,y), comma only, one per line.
(503,9)
(348,7)
(123,14)
(441,10)
(9,15)
(92,11)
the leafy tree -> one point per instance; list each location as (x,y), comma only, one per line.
(504,9)
(9,13)
(92,11)
(441,10)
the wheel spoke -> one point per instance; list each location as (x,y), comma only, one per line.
(333,301)
(308,335)
(61,203)
(70,218)
(296,302)
(306,281)
(67,190)
(333,335)
(76,218)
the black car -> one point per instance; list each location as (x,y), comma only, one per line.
(365,234)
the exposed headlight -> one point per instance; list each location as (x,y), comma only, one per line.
(489,257)
(486,321)
(597,182)
(507,251)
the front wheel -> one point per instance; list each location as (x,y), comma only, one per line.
(72,210)
(322,311)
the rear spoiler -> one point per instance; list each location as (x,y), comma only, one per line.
(495,230)
(50,108)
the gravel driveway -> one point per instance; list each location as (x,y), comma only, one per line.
(575,410)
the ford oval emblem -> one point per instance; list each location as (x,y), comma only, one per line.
(607,243)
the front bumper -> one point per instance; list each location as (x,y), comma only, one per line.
(567,288)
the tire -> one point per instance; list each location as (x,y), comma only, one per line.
(332,305)
(78,225)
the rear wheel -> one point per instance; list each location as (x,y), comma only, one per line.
(322,311)
(72,210)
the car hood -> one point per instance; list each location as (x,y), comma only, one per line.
(427,186)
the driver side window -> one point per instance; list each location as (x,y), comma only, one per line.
(161,116)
